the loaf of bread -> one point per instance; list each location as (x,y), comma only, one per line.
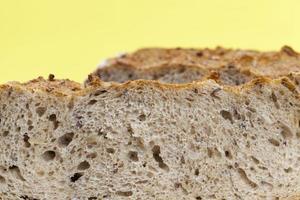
(194,132)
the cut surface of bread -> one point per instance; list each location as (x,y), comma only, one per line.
(149,140)
(203,124)
(230,67)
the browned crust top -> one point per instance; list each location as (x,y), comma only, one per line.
(59,87)
(67,88)
(271,63)
(144,56)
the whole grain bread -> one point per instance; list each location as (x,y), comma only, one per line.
(145,139)
(230,67)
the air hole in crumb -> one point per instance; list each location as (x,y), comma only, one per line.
(179,185)
(51,173)
(41,111)
(245,178)
(52,118)
(55,124)
(262,167)
(83,165)
(197,172)
(75,177)
(110,150)
(26,140)
(226,115)
(286,132)
(130,130)
(274,99)
(142,117)
(255,160)
(274,142)
(25,197)
(182,160)
(2,179)
(228,154)
(133,155)
(92,198)
(288,170)
(198,198)
(209,152)
(5,133)
(124,193)
(66,139)
(298,134)
(92,155)
(92,102)
(213,196)
(29,122)
(16,172)
(214,93)
(247,102)
(48,155)
(158,158)
(236,114)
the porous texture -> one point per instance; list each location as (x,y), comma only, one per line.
(227,66)
(149,140)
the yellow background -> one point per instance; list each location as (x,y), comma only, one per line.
(70,37)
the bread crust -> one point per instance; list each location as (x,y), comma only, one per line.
(66,87)
(152,61)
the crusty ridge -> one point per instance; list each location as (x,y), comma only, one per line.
(66,87)
(178,65)
(62,87)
